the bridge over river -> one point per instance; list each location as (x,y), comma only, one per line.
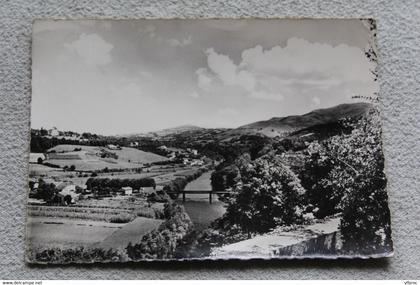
(210,193)
(196,197)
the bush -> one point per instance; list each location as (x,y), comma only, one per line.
(118,183)
(121,218)
(269,195)
(147,213)
(163,242)
(77,255)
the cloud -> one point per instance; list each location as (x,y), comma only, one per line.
(299,68)
(194,95)
(204,78)
(316,101)
(228,112)
(92,49)
(150,30)
(227,71)
(180,43)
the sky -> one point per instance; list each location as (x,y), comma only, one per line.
(131,76)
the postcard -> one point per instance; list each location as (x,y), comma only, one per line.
(185,139)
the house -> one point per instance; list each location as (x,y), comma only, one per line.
(134,144)
(113,147)
(34,157)
(68,190)
(172,155)
(53,132)
(198,162)
(127,190)
(147,190)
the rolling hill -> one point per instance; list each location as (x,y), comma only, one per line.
(280,126)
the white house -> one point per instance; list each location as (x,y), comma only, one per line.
(147,190)
(71,191)
(134,144)
(34,156)
(127,190)
(53,132)
(113,147)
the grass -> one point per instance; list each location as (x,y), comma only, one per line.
(82,213)
(66,233)
(88,160)
(121,218)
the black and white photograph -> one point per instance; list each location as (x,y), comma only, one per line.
(186,139)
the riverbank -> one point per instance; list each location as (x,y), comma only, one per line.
(197,206)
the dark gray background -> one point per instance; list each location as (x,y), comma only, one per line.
(399,59)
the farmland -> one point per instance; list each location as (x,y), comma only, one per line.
(96,220)
(91,158)
(48,232)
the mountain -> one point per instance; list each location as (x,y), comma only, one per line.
(281,126)
(175,130)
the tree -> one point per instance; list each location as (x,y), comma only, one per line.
(67,199)
(269,195)
(365,223)
(46,191)
(39,160)
(72,168)
(348,177)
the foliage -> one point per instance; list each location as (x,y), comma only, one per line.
(163,242)
(121,218)
(91,183)
(45,191)
(77,255)
(365,224)
(225,178)
(179,183)
(269,195)
(345,174)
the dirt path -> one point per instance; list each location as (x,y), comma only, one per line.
(131,232)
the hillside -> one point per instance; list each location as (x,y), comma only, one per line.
(175,130)
(281,126)
(89,157)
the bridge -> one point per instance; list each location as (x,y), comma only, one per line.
(192,192)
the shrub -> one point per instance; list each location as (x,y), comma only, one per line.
(77,255)
(118,183)
(269,195)
(163,242)
(146,212)
(121,218)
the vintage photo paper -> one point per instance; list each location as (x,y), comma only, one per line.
(205,139)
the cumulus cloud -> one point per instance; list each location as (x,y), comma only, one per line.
(92,49)
(228,72)
(299,68)
(204,78)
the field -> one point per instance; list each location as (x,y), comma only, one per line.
(131,232)
(89,159)
(66,233)
(107,223)
(90,222)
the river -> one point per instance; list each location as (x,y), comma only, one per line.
(201,212)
